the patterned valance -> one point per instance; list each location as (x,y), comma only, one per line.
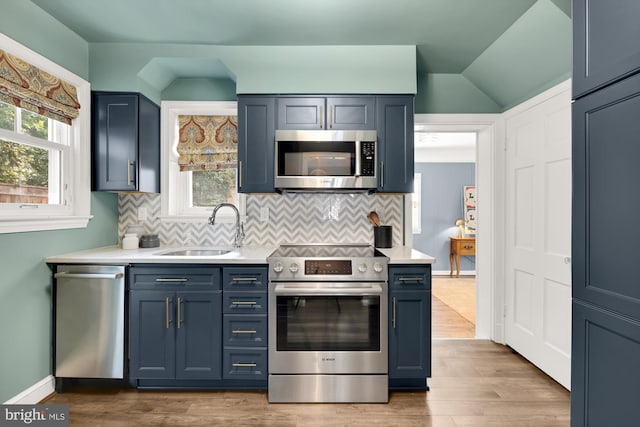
(28,87)
(207,142)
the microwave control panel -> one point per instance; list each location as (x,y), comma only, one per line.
(368,158)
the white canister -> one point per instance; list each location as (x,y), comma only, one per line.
(130,241)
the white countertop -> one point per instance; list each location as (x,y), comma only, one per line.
(406,255)
(243,255)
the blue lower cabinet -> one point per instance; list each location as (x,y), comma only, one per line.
(187,330)
(409,327)
(175,335)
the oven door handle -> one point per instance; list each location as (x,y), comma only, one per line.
(299,290)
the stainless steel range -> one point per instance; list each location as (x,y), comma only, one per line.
(328,319)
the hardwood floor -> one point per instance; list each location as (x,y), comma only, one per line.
(453,307)
(475,383)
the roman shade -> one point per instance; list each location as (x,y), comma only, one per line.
(207,142)
(27,86)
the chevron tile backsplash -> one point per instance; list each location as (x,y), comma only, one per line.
(293,218)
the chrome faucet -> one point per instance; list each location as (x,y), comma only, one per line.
(239,226)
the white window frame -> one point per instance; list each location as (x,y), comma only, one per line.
(176,186)
(75,208)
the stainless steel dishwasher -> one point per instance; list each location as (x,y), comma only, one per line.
(89,321)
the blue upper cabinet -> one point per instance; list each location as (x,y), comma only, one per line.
(330,113)
(125,142)
(394,118)
(256,144)
(605,43)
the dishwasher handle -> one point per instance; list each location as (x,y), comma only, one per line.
(67,275)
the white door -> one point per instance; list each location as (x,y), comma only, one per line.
(538,246)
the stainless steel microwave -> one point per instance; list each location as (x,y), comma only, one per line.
(325,159)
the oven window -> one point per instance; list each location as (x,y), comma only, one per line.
(316,158)
(328,323)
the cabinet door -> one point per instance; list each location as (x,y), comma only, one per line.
(605,43)
(605,180)
(352,113)
(301,113)
(410,334)
(394,119)
(604,370)
(256,144)
(114,140)
(148,146)
(198,335)
(152,335)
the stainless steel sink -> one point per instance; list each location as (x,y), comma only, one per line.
(195,252)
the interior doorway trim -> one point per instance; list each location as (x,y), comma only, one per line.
(489,320)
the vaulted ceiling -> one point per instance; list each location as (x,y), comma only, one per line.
(506,49)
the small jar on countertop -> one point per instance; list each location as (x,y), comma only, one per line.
(130,241)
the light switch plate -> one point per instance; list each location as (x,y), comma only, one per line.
(264,214)
(142,214)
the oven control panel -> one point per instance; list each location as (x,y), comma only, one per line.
(327,267)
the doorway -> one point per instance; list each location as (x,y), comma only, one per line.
(488,317)
(444,219)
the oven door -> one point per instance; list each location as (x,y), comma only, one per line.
(328,328)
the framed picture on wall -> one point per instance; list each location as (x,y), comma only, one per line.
(470,209)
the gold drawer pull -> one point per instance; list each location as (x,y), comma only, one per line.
(182,279)
(410,279)
(245,279)
(240,331)
(244,303)
(244,365)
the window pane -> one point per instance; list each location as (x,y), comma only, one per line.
(35,125)
(210,188)
(7,116)
(24,174)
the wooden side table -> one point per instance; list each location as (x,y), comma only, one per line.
(465,246)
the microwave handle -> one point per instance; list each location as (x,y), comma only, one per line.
(358,159)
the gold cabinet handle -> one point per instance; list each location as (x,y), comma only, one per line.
(244,303)
(410,279)
(128,172)
(179,312)
(244,365)
(176,279)
(331,117)
(245,279)
(239,173)
(321,118)
(167,317)
(381,174)
(393,318)
(241,331)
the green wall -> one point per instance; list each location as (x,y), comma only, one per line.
(25,284)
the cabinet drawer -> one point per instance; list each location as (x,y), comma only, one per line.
(467,248)
(244,302)
(152,277)
(410,278)
(245,278)
(244,364)
(244,330)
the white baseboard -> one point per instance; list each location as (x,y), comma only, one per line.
(446,273)
(35,393)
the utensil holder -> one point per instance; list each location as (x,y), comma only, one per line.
(383,236)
